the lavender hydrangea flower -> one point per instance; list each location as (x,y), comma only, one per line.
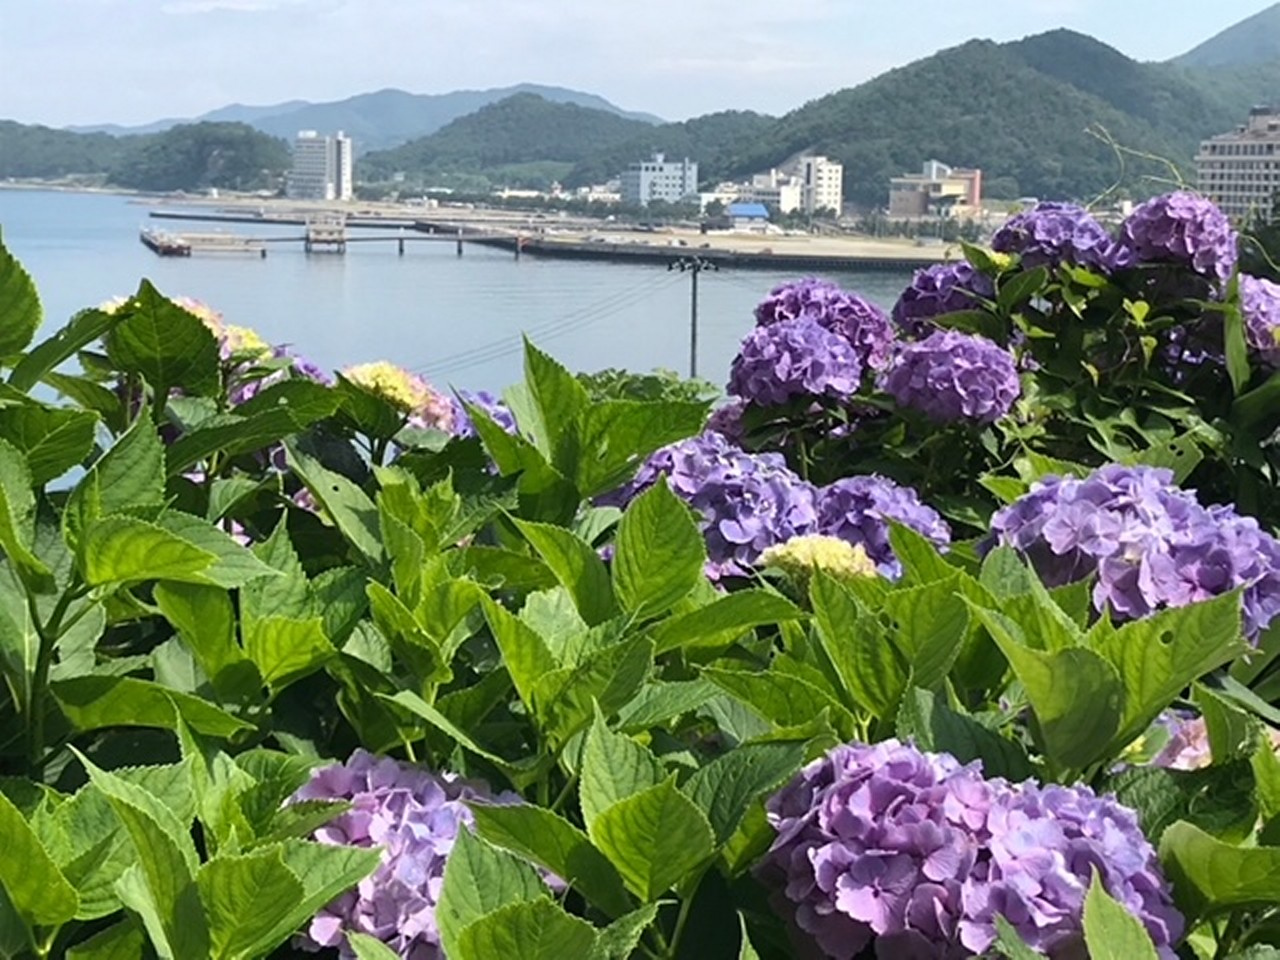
(498,411)
(1045,843)
(867,328)
(1151,545)
(793,358)
(726,420)
(1184,229)
(747,502)
(856,510)
(242,387)
(954,376)
(414,815)
(1188,747)
(1260,304)
(1050,234)
(941,289)
(920,854)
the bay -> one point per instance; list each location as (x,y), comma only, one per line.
(457,320)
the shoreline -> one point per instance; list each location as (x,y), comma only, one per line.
(540,234)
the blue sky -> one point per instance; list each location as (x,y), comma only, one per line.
(131,61)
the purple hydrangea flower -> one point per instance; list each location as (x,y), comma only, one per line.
(954,376)
(242,389)
(941,289)
(856,509)
(747,502)
(498,411)
(1188,747)
(793,358)
(414,815)
(867,328)
(919,854)
(1260,304)
(1151,544)
(1046,842)
(1184,229)
(726,420)
(1053,233)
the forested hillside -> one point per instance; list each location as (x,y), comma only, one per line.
(195,156)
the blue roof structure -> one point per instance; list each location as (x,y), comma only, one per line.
(748,211)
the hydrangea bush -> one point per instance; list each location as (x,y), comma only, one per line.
(950,632)
(1069,341)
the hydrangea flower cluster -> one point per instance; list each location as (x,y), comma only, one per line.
(1188,747)
(940,289)
(1184,229)
(1260,304)
(1151,544)
(750,502)
(793,358)
(425,406)
(1050,234)
(864,325)
(800,557)
(856,509)
(414,815)
(486,401)
(726,420)
(922,854)
(954,376)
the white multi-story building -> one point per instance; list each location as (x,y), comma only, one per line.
(777,189)
(1240,171)
(821,184)
(323,167)
(659,179)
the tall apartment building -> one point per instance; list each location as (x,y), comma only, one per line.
(659,179)
(323,167)
(1240,171)
(821,184)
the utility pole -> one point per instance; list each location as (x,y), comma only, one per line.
(693,266)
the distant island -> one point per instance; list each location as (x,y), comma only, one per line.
(1035,117)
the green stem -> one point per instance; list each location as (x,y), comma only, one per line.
(49,635)
(682,918)
(565,792)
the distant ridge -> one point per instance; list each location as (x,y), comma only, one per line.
(1250,42)
(378,120)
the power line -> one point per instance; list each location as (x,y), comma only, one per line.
(575,320)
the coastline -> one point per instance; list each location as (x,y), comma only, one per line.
(550,235)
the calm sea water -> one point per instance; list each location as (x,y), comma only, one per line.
(456,319)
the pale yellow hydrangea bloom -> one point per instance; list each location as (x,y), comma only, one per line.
(211,317)
(409,393)
(799,557)
(240,340)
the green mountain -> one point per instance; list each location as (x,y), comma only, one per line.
(35,151)
(384,118)
(197,156)
(1170,99)
(523,138)
(1251,42)
(1018,112)
(189,157)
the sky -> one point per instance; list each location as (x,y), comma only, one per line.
(66,62)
